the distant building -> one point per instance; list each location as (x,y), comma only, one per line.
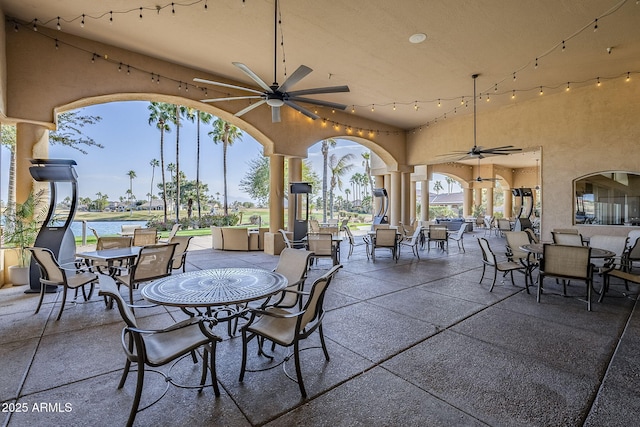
(156,205)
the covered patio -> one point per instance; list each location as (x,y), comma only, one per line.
(417,342)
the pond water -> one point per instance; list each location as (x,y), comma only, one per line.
(104,228)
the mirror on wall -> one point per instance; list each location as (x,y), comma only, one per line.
(608,198)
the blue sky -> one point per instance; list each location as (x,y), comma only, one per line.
(130,143)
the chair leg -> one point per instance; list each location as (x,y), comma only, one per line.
(138,395)
(64,300)
(214,375)
(125,373)
(324,346)
(495,274)
(539,292)
(296,354)
(42,290)
(605,286)
(484,267)
(243,366)
(203,378)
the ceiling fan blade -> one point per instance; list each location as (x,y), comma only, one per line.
(504,147)
(232,98)
(253,76)
(318,102)
(294,78)
(210,82)
(319,90)
(249,108)
(302,110)
(275,114)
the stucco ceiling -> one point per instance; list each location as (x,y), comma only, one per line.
(365,44)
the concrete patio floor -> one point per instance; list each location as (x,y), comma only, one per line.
(416,343)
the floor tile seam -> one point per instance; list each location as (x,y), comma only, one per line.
(79,380)
(437,397)
(610,363)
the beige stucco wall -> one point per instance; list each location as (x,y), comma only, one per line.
(3,66)
(42,80)
(587,130)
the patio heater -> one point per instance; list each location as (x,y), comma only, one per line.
(297,192)
(55,233)
(526,208)
(381,217)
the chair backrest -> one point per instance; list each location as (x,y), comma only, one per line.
(566,261)
(144,236)
(460,233)
(332,221)
(113,242)
(349,234)
(633,244)
(173,231)
(95,233)
(438,232)
(320,244)
(153,262)
(385,237)
(287,242)
(108,288)
(314,226)
(487,222)
(415,237)
(313,309)
(566,230)
(49,268)
(504,224)
(615,244)
(516,239)
(488,257)
(376,227)
(182,244)
(344,222)
(532,236)
(570,239)
(293,264)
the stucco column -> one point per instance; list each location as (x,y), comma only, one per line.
(477,198)
(508,202)
(412,202)
(490,201)
(276,193)
(396,198)
(467,202)
(295,175)
(405,199)
(32,142)
(424,200)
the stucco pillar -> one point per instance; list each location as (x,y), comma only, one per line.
(276,193)
(490,201)
(32,142)
(424,200)
(405,199)
(412,202)
(477,198)
(508,202)
(467,202)
(377,202)
(295,175)
(396,198)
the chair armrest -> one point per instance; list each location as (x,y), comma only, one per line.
(275,314)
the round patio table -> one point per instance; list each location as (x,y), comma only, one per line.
(537,248)
(214,287)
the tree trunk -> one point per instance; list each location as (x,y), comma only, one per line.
(177,163)
(198,164)
(164,181)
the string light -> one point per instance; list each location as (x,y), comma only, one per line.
(628,76)
(128,70)
(141,13)
(57,46)
(541,92)
(58,26)
(462,101)
(206,6)
(173,10)
(563,46)
(568,87)
(111,17)
(415,106)
(595,26)
(598,82)
(513,94)
(35,24)
(394,106)
(536,64)
(488,97)
(82,22)
(514,76)
(373,108)
(439,104)
(120,67)
(353,109)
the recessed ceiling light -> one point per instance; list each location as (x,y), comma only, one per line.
(417,38)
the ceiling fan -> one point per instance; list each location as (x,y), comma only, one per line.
(479,178)
(276,95)
(477,151)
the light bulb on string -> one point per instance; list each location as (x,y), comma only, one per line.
(563,46)
(568,88)
(488,97)
(628,76)
(439,104)
(595,25)
(513,94)
(128,70)
(15,26)
(536,64)
(394,106)
(206,6)
(82,22)
(415,106)
(495,88)
(598,82)
(141,13)
(35,24)
(514,76)
(353,109)
(373,108)
(57,46)
(173,9)
(58,26)
(111,17)
(462,101)
(541,92)
(120,67)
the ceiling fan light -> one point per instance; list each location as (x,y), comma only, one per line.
(275,102)
(417,38)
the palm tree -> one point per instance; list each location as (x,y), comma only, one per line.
(205,118)
(8,139)
(326,143)
(154,163)
(346,193)
(225,133)
(366,157)
(180,111)
(450,182)
(339,167)
(132,175)
(161,116)
(437,187)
